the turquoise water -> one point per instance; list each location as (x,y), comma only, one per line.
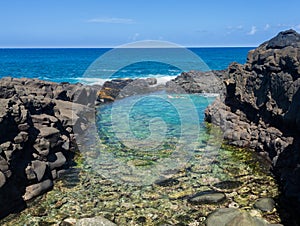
(69,65)
(152,123)
(172,109)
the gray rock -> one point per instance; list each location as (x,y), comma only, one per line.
(6,146)
(198,82)
(221,217)
(284,39)
(23,127)
(2,179)
(43,119)
(21,137)
(95,221)
(3,164)
(244,219)
(233,217)
(42,146)
(30,173)
(37,189)
(265,204)
(39,169)
(207,197)
(47,132)
(66,144)
(57,160)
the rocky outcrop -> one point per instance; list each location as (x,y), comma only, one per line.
(198,82)
(37,136)
(120,88)
(261,109)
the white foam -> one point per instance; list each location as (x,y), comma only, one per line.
(164,79)
(92,81)
(161,79)
(210,94)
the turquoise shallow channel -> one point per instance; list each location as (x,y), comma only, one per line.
(132,182)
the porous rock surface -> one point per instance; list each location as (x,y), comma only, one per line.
(37,136)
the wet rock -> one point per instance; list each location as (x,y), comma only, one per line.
(265,204)
(228,184)
(207,197)
(94,221)
(166,182)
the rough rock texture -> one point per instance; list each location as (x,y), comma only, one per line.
(37,121)
(198,82)
(120,88)
(261,109)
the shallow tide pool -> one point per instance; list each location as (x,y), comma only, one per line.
(151,154)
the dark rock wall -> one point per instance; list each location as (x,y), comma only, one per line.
(37,139)
(261,109)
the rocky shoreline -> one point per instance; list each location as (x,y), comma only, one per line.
(39,122)
(258,109)
(37,140)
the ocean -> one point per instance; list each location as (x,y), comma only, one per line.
(71,64)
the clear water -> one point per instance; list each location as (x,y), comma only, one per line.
(132,184)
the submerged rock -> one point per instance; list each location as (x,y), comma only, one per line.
(228,184)
(101,221)
(207,197)
(166,182)
(265,204)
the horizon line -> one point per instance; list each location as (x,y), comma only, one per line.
(115,47)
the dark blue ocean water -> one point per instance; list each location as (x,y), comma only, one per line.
(70,65)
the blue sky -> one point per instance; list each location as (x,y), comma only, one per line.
(98,23)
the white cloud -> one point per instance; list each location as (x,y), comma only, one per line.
(112,20)
(252,31)
(232,28)
(267,27)
(135,36)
